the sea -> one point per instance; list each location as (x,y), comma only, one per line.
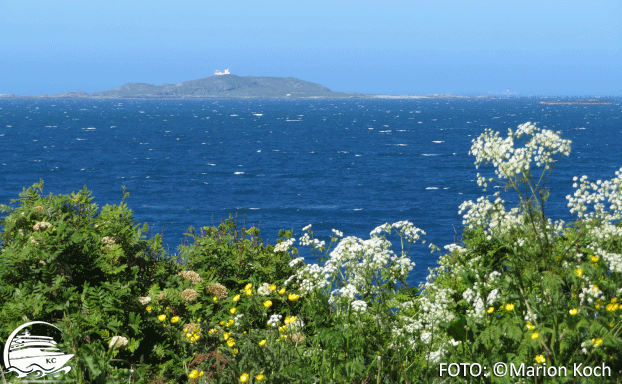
(349,165)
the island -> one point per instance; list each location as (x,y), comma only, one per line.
(224,85)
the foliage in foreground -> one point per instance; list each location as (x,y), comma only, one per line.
(520,289)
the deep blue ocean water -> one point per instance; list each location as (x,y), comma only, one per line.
(350,165)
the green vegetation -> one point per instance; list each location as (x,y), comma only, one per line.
(519,289)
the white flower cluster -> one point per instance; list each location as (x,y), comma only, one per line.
(402,228)
(264,290)
(355,266)
(118,342)
(614,260)
(237,318)
(338,233)
(274,320)
(144,300)
(609,191)
(41,225)
(307,241)
(296,261)
(284,245)
(492,216)
(511,163)
(359,306)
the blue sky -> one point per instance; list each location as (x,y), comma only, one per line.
(462,47)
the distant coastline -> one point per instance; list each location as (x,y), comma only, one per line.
(576,102)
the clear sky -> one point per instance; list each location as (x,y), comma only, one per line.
(462,47)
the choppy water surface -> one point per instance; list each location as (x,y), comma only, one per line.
(349,165)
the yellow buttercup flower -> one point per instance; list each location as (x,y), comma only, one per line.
(231,342)
(491,310)
(236,298)
(194,374)
(244,378)
(273,287)
(282,291)
(230,322)
(595,288)
(509,307)
(594,258)
(259,377)
(573,311)
(579,272)
(597,341)
(248,286)
(609,307)
(174,319)
(614,300)
(215,299)
(226,335)
(222,322)
(597,306)
(267,303)
(212,331)
(232,310)
(235,351)
(534,335)
(611,325)
(540,359)
(162,317)
(148,309)
(529,326)
(248,292)
(262,343)
(293,297)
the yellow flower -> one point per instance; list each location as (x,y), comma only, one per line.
(609,307)
(616,306)
(273,287)
(174,319)
(248,292)
(166,308)
(529,326)
(236,298)
(226,335)
(573,311)
(540,359)
(201,374)
(262,343)
(194,374)
(231,342)
(534,335)
(162,317)
(235,351)
(293,297)
(611,325)
(148,309)
(509,307)
(595,288)
(215,299)
(491,309)
(597,306)
(574,295)
(212,331)
(230,322)
(579,272)
(222,322)
(597,341)
(259,377)
(232,310)
(614,300)
(244,378)
(267,304)
(248,286)
(282,291)
(594,258)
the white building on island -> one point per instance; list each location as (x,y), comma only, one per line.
(226,72)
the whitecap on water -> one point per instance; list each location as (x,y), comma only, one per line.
(438,142)
(258,114)
(357,209)
(429,154)
(431,188)
(79,139)
(211,164)
(238,173)
(259,150)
